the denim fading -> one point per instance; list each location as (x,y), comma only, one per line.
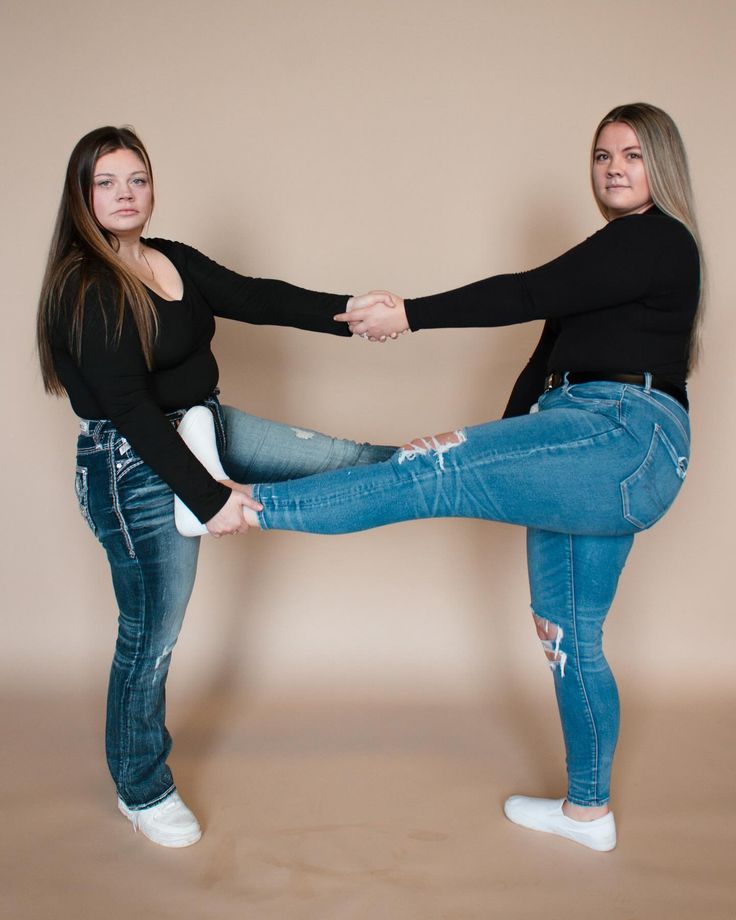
(587,469)
(129,508)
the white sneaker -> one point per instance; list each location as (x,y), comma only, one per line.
(546,815)
(170,823)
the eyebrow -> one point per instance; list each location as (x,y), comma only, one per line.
(606,150)
(137,172)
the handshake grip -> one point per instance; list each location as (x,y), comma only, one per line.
(197,430)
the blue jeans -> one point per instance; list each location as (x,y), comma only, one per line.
(596,463)
(130,511)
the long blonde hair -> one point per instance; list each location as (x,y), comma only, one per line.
(80,244)
(666,168)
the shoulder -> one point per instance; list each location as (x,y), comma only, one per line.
(653,226)
(173,249)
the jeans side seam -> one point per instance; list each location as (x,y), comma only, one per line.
(125,707)
(650,400)
(116,498)
(578,668)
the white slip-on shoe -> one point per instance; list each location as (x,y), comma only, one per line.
(546,815)
(170,823)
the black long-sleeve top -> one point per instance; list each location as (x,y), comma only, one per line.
(112,381)
(622,301)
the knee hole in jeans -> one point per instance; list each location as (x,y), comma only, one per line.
(551,635)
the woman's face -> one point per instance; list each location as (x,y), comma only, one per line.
(619,180)
(121,193)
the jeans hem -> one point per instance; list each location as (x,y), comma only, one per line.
(571,800)
(156,801)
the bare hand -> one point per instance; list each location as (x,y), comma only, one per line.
(377,316)
(230,519)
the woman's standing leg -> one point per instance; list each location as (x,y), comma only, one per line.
(573,581)
(129,508)
(152,588)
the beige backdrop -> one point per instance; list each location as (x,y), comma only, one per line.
(350,712)
(415,145)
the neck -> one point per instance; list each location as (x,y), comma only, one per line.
(132,252)
(129,248)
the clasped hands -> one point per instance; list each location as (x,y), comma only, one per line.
(376,316)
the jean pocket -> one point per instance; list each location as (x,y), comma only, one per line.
(81,488)
(651,489)
(592,394)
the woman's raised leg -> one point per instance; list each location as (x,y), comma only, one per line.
(557,470)
(257,449)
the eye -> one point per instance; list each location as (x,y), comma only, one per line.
(140,180)
(600,157)
(634,156)
(103,183)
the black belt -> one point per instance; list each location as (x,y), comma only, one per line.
(658,383)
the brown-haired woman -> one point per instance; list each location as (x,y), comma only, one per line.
(124,329)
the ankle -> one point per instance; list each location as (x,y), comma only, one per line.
(584,812)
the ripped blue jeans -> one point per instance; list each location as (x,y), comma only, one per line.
(596,463)
(130,511)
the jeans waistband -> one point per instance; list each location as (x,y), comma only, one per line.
(96,428)
(646,380)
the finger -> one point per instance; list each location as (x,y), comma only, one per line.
(354,316)
(247,501)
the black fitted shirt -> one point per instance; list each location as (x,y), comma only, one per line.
(623,301)
(112,381)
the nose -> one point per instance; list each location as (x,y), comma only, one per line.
(124,193)
(614,167)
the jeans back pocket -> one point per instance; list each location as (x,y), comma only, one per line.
(650,490)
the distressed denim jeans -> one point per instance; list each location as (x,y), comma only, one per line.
(596,463)
(130,511)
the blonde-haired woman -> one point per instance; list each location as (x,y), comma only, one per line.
(593,447)
(124,329)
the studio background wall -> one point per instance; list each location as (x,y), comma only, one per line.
(415,145)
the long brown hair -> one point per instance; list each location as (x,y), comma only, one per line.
(81,245)
(666,168)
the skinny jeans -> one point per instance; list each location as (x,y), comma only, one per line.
(130,510)
(587,469)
